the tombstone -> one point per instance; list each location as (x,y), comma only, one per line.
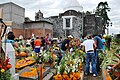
(10,53)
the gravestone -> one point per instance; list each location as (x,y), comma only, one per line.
(10,53)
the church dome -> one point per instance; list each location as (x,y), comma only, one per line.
(73,5)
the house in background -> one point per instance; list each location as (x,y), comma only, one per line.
(16,15)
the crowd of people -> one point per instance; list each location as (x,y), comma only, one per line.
(91,44)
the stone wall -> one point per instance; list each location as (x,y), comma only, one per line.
(57,26)
(77,30)
(89,24)
(92,25)
(77,24)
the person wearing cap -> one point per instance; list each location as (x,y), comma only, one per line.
(37,44)
(89,46)
(65,44)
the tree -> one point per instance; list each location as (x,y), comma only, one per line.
(101,10)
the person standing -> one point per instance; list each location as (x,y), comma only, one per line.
(47,42)
(60,41)
(42,43)
(104,44)
(32,43)
(65,44)
(10,39)
(108,42)
(37,44)
(99,48)
(89,46)
(28,42)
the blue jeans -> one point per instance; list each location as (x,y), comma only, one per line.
(91,57)
(47,47)
(97,58)
(63,53)
(37,50)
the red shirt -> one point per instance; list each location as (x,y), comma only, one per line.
(37,42)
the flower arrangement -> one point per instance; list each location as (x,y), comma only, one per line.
(71,76)
(70,67)
(45,57)
(4,69)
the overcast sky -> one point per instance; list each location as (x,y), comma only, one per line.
(54,7)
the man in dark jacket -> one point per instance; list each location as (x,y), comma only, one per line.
(65,44)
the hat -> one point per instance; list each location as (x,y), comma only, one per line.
(32,38)
(37,36)
(70,36)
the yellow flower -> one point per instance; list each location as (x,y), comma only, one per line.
(80,51)
(2,70)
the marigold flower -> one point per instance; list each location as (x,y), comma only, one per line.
(2,70)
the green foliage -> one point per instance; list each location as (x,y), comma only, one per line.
(107,37)
(23,49)
(45,57)
(116,40)
(5,75)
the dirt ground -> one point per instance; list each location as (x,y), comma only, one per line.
(90,77)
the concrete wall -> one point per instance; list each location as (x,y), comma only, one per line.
(13,12)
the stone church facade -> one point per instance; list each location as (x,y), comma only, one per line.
(80,24)
(68,23)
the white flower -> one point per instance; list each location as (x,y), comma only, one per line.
(45,55)
(73,69)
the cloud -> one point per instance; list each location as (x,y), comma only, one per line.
(114,30)
(54,7)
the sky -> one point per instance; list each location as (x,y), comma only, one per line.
(54,7)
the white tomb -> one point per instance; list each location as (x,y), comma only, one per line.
(10,53)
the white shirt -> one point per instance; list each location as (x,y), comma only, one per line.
(28,42)
(88,45)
